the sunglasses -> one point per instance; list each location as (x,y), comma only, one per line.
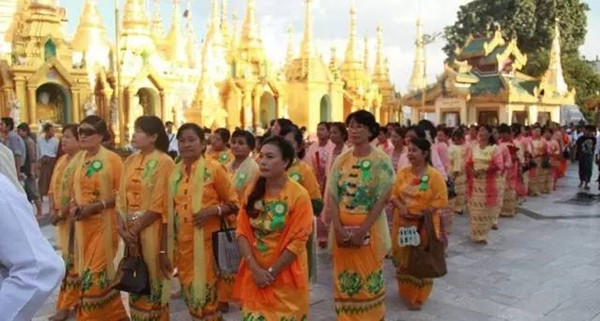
(87,131)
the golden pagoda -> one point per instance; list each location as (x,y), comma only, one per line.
(484,85)
(40,83)
(227,81)
(359,90)
(313,88)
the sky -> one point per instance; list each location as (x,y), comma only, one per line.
(331,27)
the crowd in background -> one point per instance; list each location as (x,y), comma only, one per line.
(365,192)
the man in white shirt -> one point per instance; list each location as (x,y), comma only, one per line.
(47,148)
(30,270)
(173,147)
(8,169)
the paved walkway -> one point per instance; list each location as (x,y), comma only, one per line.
(544,265)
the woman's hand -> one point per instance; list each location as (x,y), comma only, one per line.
(342,237)
(357,238)
(86,211)
(165,265)
(262,277)
(480,173)
(73,208)
(401,207)
(54,217)
(129,238)
(202,216)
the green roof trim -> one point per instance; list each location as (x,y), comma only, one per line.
(487,85)
(491,58)
(475,46)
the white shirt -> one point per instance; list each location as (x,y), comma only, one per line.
(173,144)
(47,147)
(7,167)
(597,145)
(30,270)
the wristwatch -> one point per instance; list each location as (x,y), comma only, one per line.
(270,270)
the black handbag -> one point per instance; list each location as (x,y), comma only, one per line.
(132,274)
(225,249)
(427,260)
(451,188)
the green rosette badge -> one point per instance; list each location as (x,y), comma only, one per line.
(150,167)
(424,185)
(296,177)
(223,158)
(94,167)
(278,209)
(365,168)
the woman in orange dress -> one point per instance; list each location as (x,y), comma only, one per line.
(59,196)
(419,190)
(142,207)
(303,174)
(484,166)
(359,188)
(273,227)
(219,149)
(200,196)
(95,187)
(243,171)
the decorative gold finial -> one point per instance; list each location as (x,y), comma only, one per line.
(379,54)
(290,48)
(307,39)
(351,48)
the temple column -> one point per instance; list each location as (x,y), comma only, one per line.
(414,116)
(75,113)
(247,109)
(31,104)
(163,113)
(533,114)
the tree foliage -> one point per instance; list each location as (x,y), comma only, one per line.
(532,23)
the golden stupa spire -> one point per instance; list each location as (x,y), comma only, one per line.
(289,56)
(417,79)
(175,43)
(91,31)
(134,16)
(351,48)
(379,59)
(191,44)
(235,25)
(366,57)
(250,34)
(224,23)
(135,30)
(554,77)
(157,21)
(307,39)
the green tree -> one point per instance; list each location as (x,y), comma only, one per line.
(532,23)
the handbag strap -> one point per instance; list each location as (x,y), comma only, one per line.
(225,227)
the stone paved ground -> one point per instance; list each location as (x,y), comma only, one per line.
(542,265)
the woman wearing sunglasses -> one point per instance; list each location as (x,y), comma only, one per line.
(142,207)
(95,185)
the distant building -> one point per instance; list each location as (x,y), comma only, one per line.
(484,85)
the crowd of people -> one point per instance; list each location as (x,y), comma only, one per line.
(363,191)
